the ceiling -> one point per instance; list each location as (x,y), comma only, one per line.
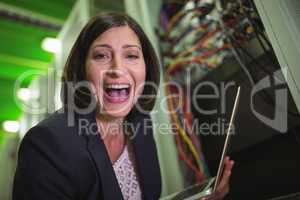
(20,40)
(23,26)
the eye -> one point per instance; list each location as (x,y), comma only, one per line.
(100,56)
(132,56)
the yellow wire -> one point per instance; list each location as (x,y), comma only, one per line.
(184,136)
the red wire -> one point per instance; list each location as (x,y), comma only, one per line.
(183,156)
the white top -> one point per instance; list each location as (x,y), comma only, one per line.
(126,175)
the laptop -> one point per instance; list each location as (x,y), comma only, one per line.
(209,186)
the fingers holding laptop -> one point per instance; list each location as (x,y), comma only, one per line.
(223,187)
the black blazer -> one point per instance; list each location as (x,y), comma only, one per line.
(61,162)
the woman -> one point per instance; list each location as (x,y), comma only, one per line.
(99,146)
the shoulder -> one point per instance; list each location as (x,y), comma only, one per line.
(54,138)
(57,123)
(52,147)
(54,127)
(47,159)
(141,123)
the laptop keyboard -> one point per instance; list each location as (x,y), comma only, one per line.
(295,196)
(190,191)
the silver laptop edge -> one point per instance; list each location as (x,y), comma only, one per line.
(233,114)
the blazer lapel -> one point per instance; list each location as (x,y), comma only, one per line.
(146,157)
(99,154)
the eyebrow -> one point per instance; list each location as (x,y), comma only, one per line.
(124,47)
(132,45)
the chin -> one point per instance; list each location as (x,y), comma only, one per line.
(116,113)
(116,110)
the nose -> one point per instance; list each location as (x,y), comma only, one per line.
(115,69)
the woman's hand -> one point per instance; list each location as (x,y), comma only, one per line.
(223,187)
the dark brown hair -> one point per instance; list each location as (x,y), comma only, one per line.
(75,70)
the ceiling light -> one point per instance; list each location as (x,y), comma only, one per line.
(11,126)
(23,94)
(52,45)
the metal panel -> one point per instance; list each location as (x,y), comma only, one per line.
(282,23)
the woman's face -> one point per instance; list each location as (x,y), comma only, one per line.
(116,68)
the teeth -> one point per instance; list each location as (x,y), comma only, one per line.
(117,86)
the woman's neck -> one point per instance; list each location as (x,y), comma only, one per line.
(109,127)
(111,131)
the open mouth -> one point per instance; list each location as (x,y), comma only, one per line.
(117,93)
